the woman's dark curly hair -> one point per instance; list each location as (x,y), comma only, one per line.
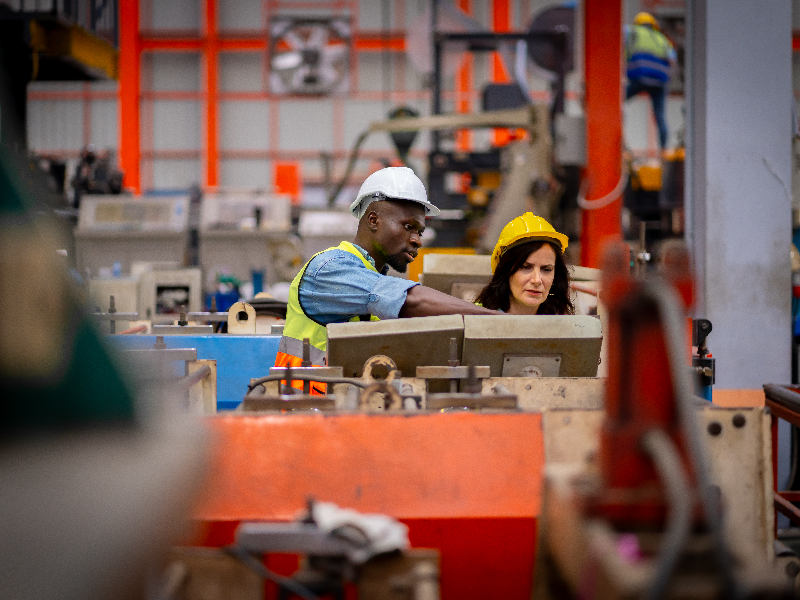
(497,293)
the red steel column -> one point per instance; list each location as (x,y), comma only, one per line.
(501,23)
(212,109)
(603,101)
(129,63)
(464,88)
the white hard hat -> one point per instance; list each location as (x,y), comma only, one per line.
(392,183)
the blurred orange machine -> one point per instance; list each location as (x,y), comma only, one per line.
(466,483)
(472,485)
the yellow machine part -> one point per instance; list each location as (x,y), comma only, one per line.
(74,43)
(647,177)
(488,179)
(674,154)
(484,185)
(415,268)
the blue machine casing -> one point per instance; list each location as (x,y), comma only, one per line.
(239,358)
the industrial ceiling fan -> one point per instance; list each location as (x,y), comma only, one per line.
(309,55)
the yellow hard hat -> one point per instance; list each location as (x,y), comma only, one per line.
(526,228)
(645,18)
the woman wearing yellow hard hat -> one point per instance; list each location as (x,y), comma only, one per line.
(529,275)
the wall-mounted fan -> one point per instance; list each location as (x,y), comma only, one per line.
(309,55)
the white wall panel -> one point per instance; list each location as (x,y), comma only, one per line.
(244,125)
(239,14)
(174,71)
(358,114)
(376,15)
(636,115)
(413,9)
(104,124)
(241,71)
(306,125)
(172,174)
(104,86)
(246,173)
(313,169)
(371,73)
(414,80)
(55,86)
(172,14)
(176,125)
(482,13)
(638,120)
(55,125)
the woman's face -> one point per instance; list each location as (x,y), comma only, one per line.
(531,283)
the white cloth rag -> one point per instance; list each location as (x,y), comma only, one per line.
(374,534)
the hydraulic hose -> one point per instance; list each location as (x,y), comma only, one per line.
(668,464)
(672,320)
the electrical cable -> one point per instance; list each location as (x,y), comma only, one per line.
(670,469)
(351,162)
(604,200)
(258,567)
(673,322)
(306,377)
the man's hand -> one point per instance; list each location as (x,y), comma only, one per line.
(423,301)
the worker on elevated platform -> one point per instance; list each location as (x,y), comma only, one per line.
(649,56)
(349,282)
(529,275)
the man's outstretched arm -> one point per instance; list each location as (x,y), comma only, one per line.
(423,301)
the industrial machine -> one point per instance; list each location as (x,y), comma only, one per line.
(480,191)
(653,200)
(245,232)
(126,229)
(526,181)
(645,518)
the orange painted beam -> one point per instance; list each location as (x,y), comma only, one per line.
(445,465)
(463,88)
(129,77)
(363,42)
(212,107)
(172,44)
(375,43)
(241,45)
(603,102)
(501,23)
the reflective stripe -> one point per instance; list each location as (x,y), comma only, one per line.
(289,345)
(287,360)
(648,54)
(299,325)
(639,61)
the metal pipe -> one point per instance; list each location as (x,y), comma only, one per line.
(436,79)
(783,396)
(668,465)
(672,319)
(306,377)
(184,383)
(135,329)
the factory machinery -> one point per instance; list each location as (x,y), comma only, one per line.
(504,465)
(453,457)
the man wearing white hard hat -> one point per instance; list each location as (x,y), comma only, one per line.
(349,282)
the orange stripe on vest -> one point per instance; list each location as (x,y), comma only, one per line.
(287,360)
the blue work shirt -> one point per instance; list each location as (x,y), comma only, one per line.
(337,287)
